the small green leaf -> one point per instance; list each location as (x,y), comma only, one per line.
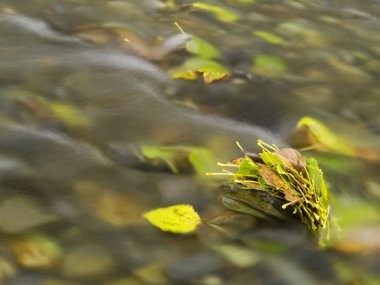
(202,160)
(202,48)
(178,219)
(191,68)
(269,65)
(220,13)
(247,167)
(159,152)
(270,38)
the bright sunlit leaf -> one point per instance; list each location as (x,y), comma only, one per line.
(220,13)
(178,219)
(321,137)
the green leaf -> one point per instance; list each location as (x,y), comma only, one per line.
(159,152)
(202,160)
(247,167)
(63,113)
(321,137)
(178,219)
(270,38)
(69,115)
(220,13)
(202,48)
(286,176)
(269,65)
(191,68)
(315,176)
(270,159)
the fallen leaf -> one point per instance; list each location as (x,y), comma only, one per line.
(191,68)
(269,37)
(178,219)
(319,136)
(220,13)
(202,48)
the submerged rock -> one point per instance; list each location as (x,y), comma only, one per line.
(195,266)
(87,261)
(21,213)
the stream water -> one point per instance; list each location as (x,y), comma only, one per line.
(81,93)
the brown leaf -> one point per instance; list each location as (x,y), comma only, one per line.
(291,158)
(273,179)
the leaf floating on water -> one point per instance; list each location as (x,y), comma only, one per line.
(44,109)
(159,152)
(201,159)
(191,69)
(312,133)
(178,219)
(269,65)
(270,38)
(69,115)
(220,13)
(202,48)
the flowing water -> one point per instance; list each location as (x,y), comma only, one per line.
(82,90)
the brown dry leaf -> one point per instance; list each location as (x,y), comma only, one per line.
(291,158)
(272,178)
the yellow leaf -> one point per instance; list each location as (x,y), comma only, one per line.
(220,13)
(69,115)
(211,70)
(211,76)
(178,219)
